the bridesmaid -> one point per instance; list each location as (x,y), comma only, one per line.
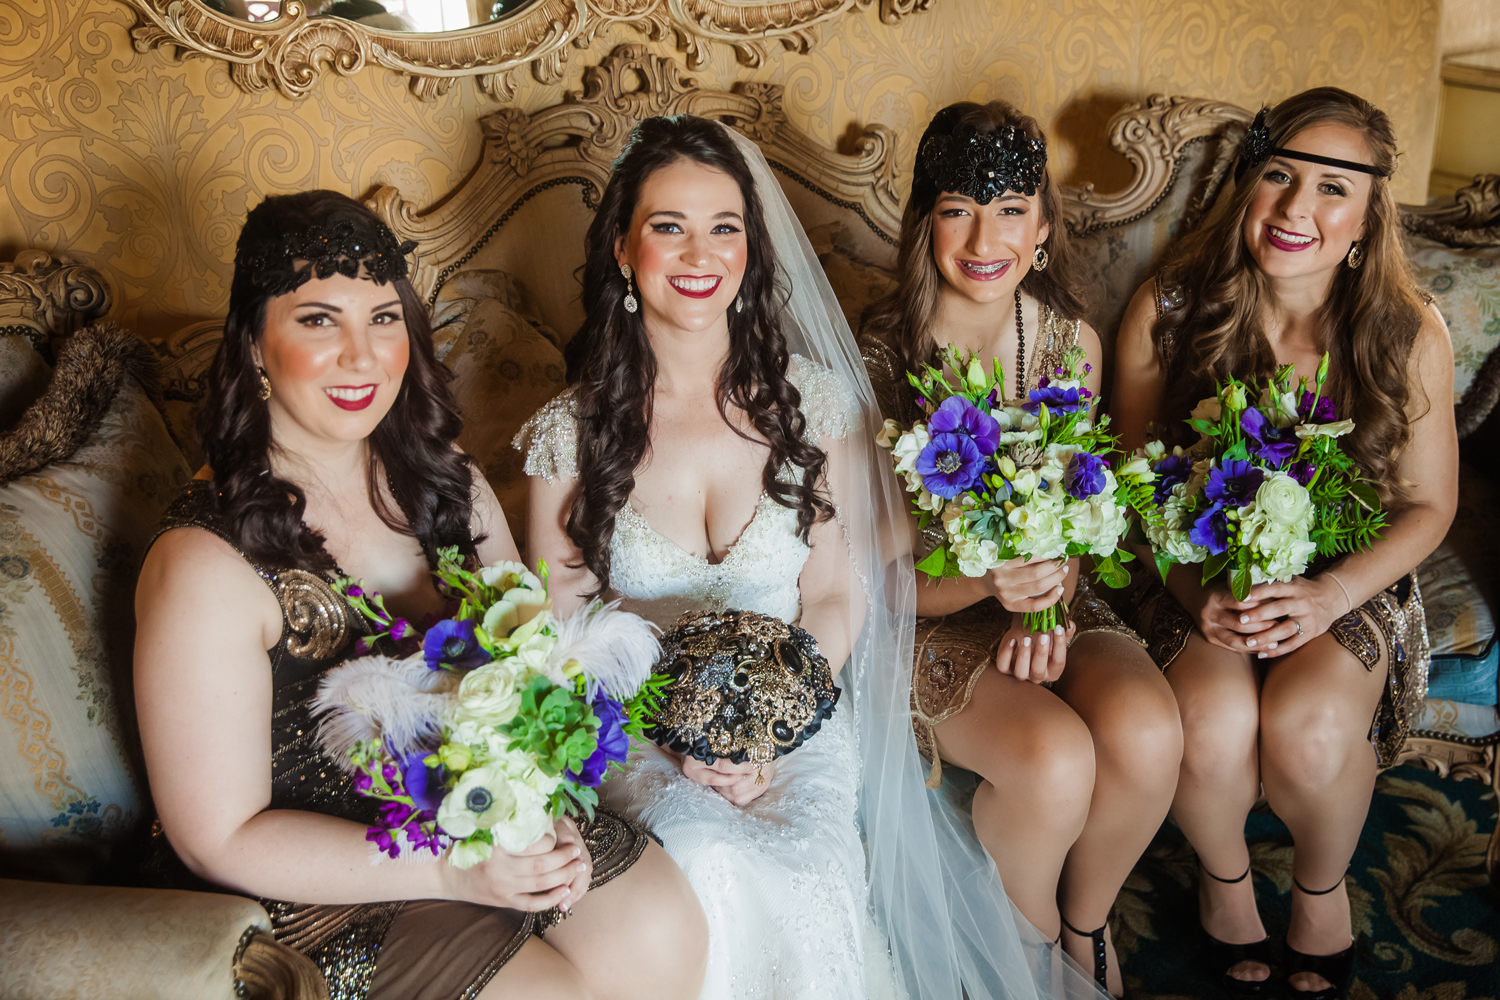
(1075,735)
(1305,688)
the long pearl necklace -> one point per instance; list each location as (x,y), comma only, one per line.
(1020,348)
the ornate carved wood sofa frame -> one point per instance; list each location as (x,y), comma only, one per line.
(505,300)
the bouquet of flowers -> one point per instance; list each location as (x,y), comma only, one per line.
(1265,487)
(1028,478)
(500,721)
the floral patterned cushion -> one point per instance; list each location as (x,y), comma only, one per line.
(1466,283)
(72,535)
(1460,585)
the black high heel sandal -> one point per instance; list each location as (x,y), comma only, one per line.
(1336,968)
(1221,956)
(1101,957)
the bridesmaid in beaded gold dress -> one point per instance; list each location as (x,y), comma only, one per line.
(1075,735)
(330,432)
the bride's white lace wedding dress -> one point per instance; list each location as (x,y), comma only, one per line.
(783,879)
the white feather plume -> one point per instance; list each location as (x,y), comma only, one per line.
(379,697)
(616,648)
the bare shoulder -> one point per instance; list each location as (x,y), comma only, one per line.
(191,574)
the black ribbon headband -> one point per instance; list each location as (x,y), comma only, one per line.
(1256,149)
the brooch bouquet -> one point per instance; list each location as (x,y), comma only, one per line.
(1265,487)
(502,720)
(1028,478)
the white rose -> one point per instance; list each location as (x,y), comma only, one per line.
(488,695)
(890,433)
(1336,429)
(1283,500)
(908,446)
(1207,409)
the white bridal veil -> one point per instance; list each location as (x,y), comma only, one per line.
(935,896)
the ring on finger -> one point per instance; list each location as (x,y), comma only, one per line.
(1298,624)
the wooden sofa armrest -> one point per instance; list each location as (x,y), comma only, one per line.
(59,942)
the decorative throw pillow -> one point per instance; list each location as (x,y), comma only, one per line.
(86,473)
(1460,586)
(1466,283)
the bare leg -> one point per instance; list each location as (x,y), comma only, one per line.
(1132,716)
(1218,694)
(642,936)
(536,972)
(1319,773)
(1037,762)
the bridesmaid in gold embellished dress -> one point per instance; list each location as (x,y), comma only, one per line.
(330,431)
(1305,688)
(1075,735)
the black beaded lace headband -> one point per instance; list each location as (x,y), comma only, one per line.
(1256,148)
(277,262)
(983,166)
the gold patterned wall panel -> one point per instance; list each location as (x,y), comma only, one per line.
(144,166)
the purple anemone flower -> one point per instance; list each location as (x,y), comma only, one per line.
(1085,475)
(1233,484)
(1170,471)
(1211,530)
(454,645)
(1325,413)
(423,784)
(1269,443)
(950,464)
(613,743)
(959,416)
(1058,400)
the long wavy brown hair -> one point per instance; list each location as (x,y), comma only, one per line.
(906,315)
(612,368)
(411,447)
(1371,316)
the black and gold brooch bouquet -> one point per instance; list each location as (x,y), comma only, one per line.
(745,687)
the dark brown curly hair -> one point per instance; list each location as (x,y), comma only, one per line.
(905,316)
(612,368)
(1371,316)
(412,446)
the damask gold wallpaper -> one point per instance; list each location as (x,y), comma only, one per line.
(144,166)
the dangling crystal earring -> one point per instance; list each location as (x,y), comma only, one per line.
(739,304)
(265,385)
(631,305)
(1356,256)
(1039,260)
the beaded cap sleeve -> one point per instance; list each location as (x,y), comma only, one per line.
(827,403)
(549,440)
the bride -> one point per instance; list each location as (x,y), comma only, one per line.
(715,450)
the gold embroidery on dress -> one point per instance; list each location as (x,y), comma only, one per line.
(317,616)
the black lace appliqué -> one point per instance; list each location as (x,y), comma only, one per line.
(984,167)
(283,265)
(1255,147)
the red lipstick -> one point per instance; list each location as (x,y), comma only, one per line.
(707,293)
(363,396)
(1280,244)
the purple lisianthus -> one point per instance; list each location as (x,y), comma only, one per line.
(1085,475)
(1324,413)
(613,743)
(419,826)
(1211,530)
(1170,471)
(959,416)
(1057,399)
(1302,471)
(454,645)
(950,464)
(1233,484)
(1269,443)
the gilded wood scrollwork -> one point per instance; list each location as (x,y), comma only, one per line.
(290,53)
(47,296)
(580,138)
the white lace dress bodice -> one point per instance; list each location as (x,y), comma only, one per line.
(782,880)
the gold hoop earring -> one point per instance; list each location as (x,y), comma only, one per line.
(1039,260)
(631,305)
(1356,256)
(265,385)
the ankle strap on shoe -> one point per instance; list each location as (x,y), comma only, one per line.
(1321,892)
(1227,881)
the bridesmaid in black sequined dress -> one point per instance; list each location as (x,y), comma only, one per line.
(330,430)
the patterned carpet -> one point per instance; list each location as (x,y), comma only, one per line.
(1426,918)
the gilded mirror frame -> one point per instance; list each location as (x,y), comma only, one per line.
(291,53)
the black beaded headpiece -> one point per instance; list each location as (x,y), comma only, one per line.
(983,165)
(279,252)
(1256,148)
